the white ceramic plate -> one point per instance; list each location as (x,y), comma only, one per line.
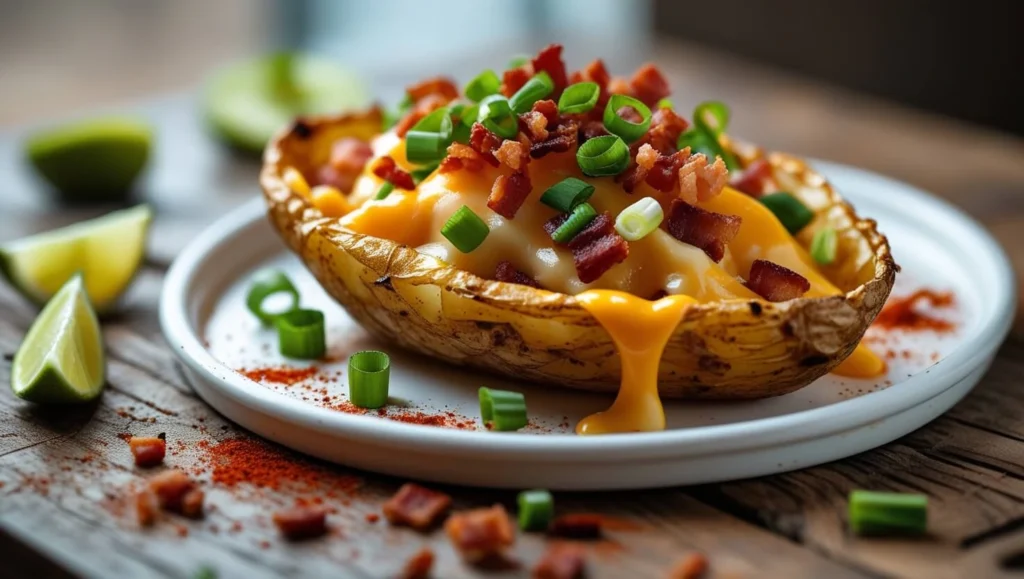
(205,320)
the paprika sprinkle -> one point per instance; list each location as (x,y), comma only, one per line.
(281,375)
(901,313)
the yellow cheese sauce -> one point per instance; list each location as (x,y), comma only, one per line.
(640,328)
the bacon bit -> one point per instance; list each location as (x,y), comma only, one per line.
(424,107)
(666,127)
(148,451)
(386,168)
(700,181)
(901,313)
(438,85)
(372,517)
(508,193)
(417,507)
(515,78)
(590,130)
(560,140)
(484,142)
(619,86)
(753,179)
(597,73)
(645,159)
(597,248)
(513,154)
(481,534)
(664,175)
(549,60)
(506,272)
(578,526)
(418,566)
(302,522)
(536,122)
(693,566)
(649,85)
(549,109)
(170,488)
(348,158)
(461,156)
(776,283)
(560,561)
(704,229)
(192,504)
(147,507)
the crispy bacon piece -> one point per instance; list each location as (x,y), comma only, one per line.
(664,174)
(509,192)
(753,179)
(549,60)
(192,503)
(506,272)
(423,107)
(484,142)
(692,566)
(461,156)
(649,85)
(170,488)
(597,248)
(560,561)
(577,526)
(597,73)
(535,123)
(417,507)
(481,534)
(704,229)
(148,451)
(560,139)
(515,78)
(549,109)
(348,158)
(418,566)
(619,86)
(147,507)
(666,127)
(301,522)
(386,168)
(591,129)
(645,159)
(513,154)
(700,180)
(776,283)
(438,85)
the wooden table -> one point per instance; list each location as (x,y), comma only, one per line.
(65,471)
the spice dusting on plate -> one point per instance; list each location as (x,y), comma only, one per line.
(280,375)
(904,313)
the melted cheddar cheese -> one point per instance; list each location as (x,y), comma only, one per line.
(657,263)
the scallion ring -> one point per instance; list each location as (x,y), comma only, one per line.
(535,89)
(825,245)
(427,141)
(664,103)
(877,513)
(385,189)
(603,156)
(502,409)
(420,173)
(465,230)
(793,214)
(536,510)
(369,373)
(567,194)
(517,61)
(617,125)
(712,117)
(301,334)
(710,120)
(485,84)
(639,219)
(496,116)
(273,286)
(579,98)
(580,217)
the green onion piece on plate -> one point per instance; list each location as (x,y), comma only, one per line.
(875,513)
(567,194)
(269,283)
(664,103)
(579,98)
(639,219)
(427,141)
(485,84)
(535,89)
(628,130)
(503,409)
(580,217)
(825,245)
(465,230)
(369,373)
(603,156)
(301,334)
(793,214)
(420,173)
(385,189)
(496,116)
(536,510)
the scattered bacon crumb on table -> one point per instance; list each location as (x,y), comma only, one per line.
(577,526)
(172,491)
(481,535)
(417,507)
(148,451)
(418,566)
(693,566)
(301,522)
(560,561)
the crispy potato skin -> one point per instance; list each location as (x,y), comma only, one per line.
(726,350)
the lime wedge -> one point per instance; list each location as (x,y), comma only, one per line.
(92,161)
(249,102)
(61,360)
(106,250)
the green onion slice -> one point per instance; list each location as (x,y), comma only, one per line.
(536,510)
(580,217)
(710,120)
(664,103)
(485,84)
(369,373)
(517,61)
(712,117)
(420,173)
(639,219)
(579,98)
(875,513)
(535,89)
(503,409)
(301,334)
(793,214)
(469,115)
(427,141)
(385,189)
(567,194)
(603,156)
(272,285)
(617,125)
(496,115)
(825,245)
(465,230)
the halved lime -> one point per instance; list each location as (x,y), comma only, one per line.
(95,160)
(106,250)
(61,360)
(249,102)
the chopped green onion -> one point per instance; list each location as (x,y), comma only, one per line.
(205,573)
(639,219)
(485,84)
(301,334)
(536,510)
(463,117)
(709,121)
(664,104)
(517,61)
(535,89)
(385,189)
(265,284)
(496,115)
(617,125)
(580,217)
(579,98)
(793,214)
(712,117)
(566,194)
(603,156)
(369,372)
(504,410)
(427,141)
(874,513)
(469,115)
(465,230)
(825,245)
(420,173)
(406,103)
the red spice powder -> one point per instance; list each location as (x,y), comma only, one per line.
(445,419)
(901,312)
(242,460)
(282,375)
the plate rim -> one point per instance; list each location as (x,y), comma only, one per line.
(976,348)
